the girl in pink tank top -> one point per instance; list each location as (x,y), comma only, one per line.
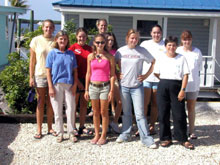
(100,85)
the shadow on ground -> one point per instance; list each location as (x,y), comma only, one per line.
(8,133)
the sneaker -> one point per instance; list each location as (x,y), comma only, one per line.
(115,127)
(59,138)
(153,146)
(120,140)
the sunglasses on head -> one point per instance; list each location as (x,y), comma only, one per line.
(98,42)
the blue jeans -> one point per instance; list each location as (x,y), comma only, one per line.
(136,95)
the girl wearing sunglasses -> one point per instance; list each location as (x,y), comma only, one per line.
(100,85)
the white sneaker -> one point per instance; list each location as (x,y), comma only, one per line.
(153,146)
(115,127)
(119,140)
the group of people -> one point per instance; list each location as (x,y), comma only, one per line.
(156,73)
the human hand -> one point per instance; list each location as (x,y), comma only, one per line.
(181,95)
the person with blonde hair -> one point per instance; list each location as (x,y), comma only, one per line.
(39,48)
(194,59)
(62,81)
(130,59)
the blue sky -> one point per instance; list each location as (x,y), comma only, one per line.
(43,9)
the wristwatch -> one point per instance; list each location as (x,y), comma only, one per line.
(183,89)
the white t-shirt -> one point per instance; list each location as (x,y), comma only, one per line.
(156,50)
(132,64)
(194,60)
(171,68)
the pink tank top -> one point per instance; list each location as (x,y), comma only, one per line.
(100,71)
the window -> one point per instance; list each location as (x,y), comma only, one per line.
(144,27)
(89,23)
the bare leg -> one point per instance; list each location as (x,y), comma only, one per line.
(77,100)
(119,104)
(96,119)
(41,92)
(191,114)
(105,119)
(83,110)
(50,114)
(154,111)
(147,98)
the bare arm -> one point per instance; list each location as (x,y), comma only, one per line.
(112,78)
(88,74)
(75,75)
(32,67)
(181,94)
(143,77)
(50,84)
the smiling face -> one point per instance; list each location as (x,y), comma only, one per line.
(132,40)
(99,43)
(171,48)
(62,42)
(81,38)
(102,27)
(187,43)
(156,34)
(48,29)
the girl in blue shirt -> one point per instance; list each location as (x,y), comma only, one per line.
(62,77)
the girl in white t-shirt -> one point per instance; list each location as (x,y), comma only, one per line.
(172,70)
(194,59)
(156,47)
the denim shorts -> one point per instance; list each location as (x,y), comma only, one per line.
(191,95)
(152,85)
(99,92)
(41,82)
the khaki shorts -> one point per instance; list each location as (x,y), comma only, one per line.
(99,92)
(41,82)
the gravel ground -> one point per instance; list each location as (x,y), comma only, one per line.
(17,146)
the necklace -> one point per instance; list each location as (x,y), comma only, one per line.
(99,57)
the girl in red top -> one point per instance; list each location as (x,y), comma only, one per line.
(81,51)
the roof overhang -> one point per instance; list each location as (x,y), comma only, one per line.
(156,12)
(8,10)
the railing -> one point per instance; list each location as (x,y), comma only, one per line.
(208,74)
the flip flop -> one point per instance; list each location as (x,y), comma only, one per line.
(84,130)
(53,133)
(188,145)
(38,136)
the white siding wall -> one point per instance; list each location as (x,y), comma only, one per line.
(196,26)
(121,25)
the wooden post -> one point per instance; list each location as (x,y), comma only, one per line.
(32,21)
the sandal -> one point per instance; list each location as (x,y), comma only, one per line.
(101,142)
(84,130)
(188,145)
(38,136)
(53,133)
(152,130)
(75,132)
(136,134)
(166,143)
(73,138)
(192,136)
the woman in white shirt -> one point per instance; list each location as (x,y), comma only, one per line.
(156,47)
(172,70)
(194,59)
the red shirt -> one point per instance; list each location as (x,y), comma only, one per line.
(81,53)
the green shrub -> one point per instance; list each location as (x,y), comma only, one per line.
(14,80)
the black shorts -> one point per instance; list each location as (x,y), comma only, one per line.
(83,81)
